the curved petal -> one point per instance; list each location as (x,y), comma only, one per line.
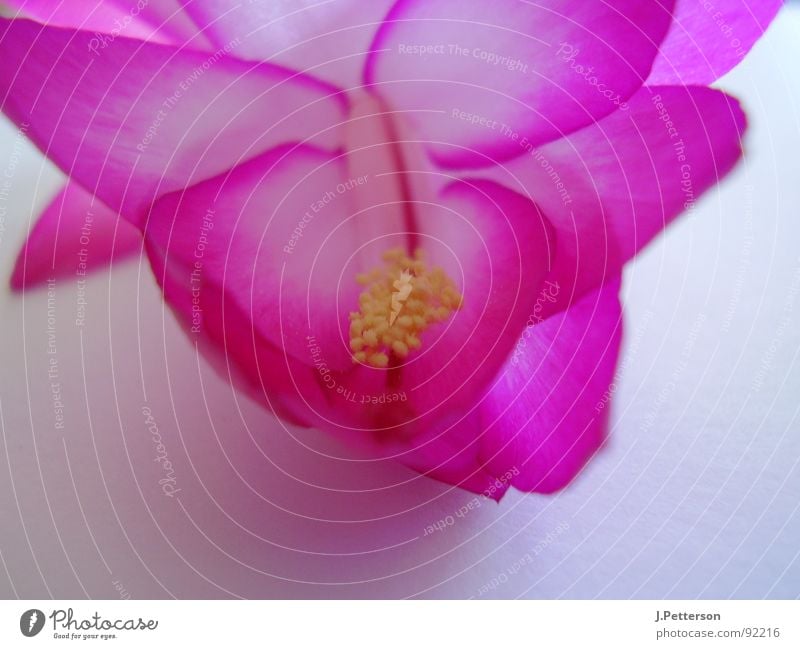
(449,452)
(708,39)
(230,342)
(493,76)
(299,393)
(305,395)
(587,252)
(611,187)
(280,235)
(75,235)
(495,246)
(144,119)
(547,414)
(328,40)
(162,21)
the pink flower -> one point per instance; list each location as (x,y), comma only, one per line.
(404,223)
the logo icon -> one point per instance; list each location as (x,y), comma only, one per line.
(31,622)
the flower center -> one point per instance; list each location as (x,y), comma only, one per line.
(400,301)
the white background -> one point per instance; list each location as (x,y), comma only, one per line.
(696,494)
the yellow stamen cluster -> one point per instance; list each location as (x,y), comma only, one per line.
(399,303)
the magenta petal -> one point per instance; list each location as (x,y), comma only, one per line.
(611,187)
(75,235)
(262,261)
(674,144)
(547,414)
(497,76)
(424,412)
(449,452)
(162,21)
(144,119)
(496,245)
(281,237)
(230,342)
(101,18)
(707,39)
(328,40)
